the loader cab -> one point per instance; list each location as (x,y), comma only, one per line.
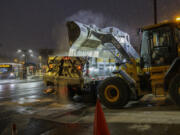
(159,45)
(157,52)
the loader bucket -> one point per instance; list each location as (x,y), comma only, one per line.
(81,42)
(92,41)
(73,32)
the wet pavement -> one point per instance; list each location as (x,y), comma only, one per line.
(34,113)
(25,105)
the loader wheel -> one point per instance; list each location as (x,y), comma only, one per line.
(114,92)
(174,89)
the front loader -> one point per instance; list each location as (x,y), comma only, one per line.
(156,72)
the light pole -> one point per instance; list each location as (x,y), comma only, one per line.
(40,61)
(25,53)
(40,64)
(155,11)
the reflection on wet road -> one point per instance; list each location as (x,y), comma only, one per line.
(13,94)
(24,104)
(20,91)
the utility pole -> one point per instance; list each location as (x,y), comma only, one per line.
(155,11)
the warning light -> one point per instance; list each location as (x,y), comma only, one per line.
(79,67)
(66,58)
(50,65)
(178,19)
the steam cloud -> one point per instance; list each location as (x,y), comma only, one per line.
(89,17)
(60,35)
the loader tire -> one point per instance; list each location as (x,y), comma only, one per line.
(114,92)
(174,90)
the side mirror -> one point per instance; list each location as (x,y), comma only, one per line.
(141,62)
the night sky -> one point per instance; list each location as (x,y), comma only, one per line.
(39,23)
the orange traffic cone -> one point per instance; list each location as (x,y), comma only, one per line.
(14,129)
(100,126)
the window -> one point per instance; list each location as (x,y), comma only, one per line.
(4,70)
(160,42)
(156,46)
(145,48)
(161,38)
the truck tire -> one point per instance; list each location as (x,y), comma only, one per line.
(174,90)
(114,92)
(71,93)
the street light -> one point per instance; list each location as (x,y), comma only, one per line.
(30,51)
(178,19)
(25,53)
(19,51)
